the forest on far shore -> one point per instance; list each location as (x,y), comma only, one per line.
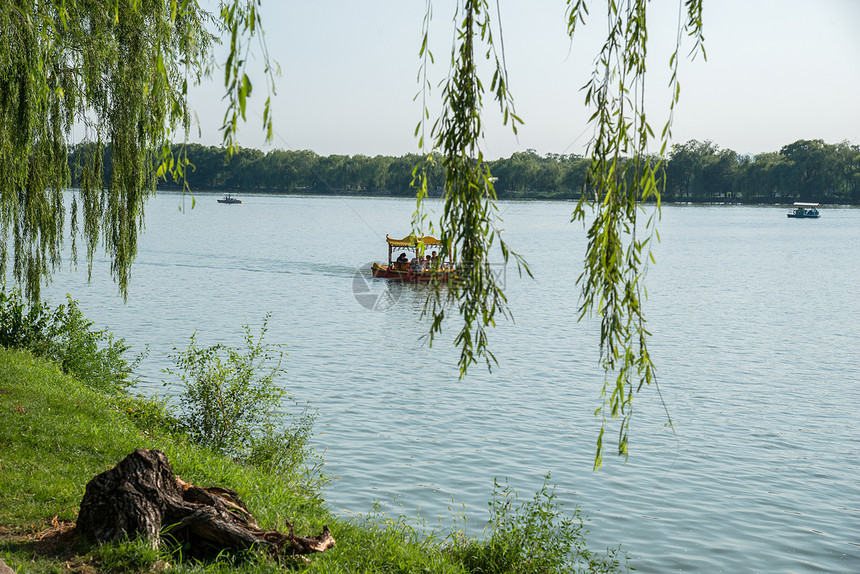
(701,172)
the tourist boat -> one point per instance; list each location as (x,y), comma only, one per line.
(805,210)
(402,270)
(229,199)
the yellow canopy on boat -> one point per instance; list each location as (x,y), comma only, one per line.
(409,241)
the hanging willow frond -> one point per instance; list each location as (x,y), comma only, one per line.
(622,176)
(118,71)
(468,226)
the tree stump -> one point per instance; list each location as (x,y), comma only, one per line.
(141,496)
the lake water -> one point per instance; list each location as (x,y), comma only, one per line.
(756,322)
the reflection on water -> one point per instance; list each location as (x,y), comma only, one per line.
(755,339)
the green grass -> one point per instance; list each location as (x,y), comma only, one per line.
(56,433)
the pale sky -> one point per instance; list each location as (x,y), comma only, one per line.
(777,71)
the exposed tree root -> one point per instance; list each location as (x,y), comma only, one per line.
(141,496)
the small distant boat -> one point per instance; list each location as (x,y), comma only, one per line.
(413,271)
(229,199)
(805,211)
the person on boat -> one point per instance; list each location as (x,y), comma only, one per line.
(415,264)
(402,262)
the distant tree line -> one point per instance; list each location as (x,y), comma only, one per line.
(700,172)
(808,170)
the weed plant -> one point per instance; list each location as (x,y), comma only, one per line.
(65,336)
(532,536)
(232,403)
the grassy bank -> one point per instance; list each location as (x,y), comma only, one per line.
(56,433)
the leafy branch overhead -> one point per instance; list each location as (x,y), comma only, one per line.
(468,227)
(243,21)
(622,175)
(121,69)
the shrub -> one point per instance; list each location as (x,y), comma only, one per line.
(231,403)
(65,336)
(23,326)
(532,537)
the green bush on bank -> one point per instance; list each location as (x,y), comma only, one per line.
(65,336)
(533,536)
(231,402)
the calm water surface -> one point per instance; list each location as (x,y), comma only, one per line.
(756,322)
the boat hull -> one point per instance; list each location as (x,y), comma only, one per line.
(385,272)
(805,216)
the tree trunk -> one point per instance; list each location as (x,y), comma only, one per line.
(141,496)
